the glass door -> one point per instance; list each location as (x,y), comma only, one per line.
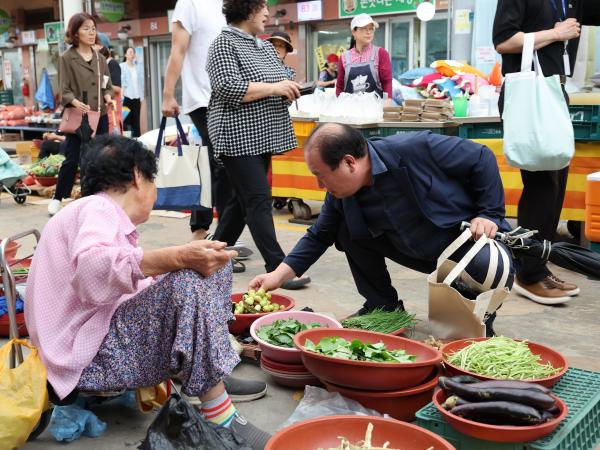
(159,55)
(434,40)
(12,83)
(401,46)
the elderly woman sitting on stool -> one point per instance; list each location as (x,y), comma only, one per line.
(107,315)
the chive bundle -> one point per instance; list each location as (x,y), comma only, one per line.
(502,357)
(381,321)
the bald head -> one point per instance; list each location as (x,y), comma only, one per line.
(335,140)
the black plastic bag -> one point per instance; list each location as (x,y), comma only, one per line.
(179,426)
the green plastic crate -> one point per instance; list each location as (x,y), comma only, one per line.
(586,122)
(390,131)
(491,130)
(371,132)
(579,389)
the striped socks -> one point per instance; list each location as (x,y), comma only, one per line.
(220,410)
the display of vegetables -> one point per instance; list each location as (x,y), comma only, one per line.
(47,167)
(498,402)
(381,321)
(254,302)
(281,332)
(502,357)
(338,347)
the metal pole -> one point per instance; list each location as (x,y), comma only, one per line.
(449,33)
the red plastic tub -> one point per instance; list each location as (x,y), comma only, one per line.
(324,431)
(499,433)
(5,325)
(242,322)
(546,354)
(368,375)
(401,404)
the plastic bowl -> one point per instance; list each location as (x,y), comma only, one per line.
(283,354)
(46,181)
(365,374)
(401,404)
(5,325)
(324,431)
(499,433)
(297,378)
(546,354)
(242,322)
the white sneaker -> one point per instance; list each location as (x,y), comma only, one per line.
(53,207)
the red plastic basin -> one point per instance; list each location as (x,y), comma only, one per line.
(242,322)
(5,325)
(547,355)
(401,404)
(499,433)
(46,181)
(324,431)
(368,375)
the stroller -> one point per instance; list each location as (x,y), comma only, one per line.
(11,179)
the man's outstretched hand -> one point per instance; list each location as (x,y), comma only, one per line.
(481,226)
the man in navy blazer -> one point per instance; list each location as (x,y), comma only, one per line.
(403,198)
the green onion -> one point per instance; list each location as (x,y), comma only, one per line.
(504,358)
(382,321)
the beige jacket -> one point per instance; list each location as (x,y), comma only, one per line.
(78,76)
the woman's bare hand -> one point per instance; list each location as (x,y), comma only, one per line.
(288,89)
(567,29)
(206,257)
(81,106)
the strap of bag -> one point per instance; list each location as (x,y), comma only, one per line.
(182,138)
(99,93)
(464,262)
(492,267)
(527,55)
(505,264)
(458,243)
(536,64)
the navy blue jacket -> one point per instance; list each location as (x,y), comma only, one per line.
(449,179)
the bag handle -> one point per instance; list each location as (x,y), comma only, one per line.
(492,267)
(458,243)
(464,262)
(182,138)
(99,93)
(528,49)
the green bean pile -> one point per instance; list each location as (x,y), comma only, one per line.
(504,358)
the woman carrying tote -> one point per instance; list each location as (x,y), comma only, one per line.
(85,85)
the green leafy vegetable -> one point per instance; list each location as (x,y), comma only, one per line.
(381,321)
(502,357)
(356,350)
(282,332)
(47,167)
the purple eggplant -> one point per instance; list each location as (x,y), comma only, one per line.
(511,384)
(453,401)
(530,397)
(508,413)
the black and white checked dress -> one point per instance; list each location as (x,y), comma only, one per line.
(235,59)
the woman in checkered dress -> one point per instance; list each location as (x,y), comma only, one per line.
(248,122)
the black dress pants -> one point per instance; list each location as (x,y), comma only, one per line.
(221,187)
(251,205)
(68,169)
(539,209)
(366,258)
(133,118)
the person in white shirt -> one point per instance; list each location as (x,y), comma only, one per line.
(132,79)
(196,23)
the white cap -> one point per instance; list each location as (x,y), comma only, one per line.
(362,20)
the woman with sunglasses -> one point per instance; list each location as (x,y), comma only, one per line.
(364,67)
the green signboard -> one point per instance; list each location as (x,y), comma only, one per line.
(110,10)
(54,32)
(351,8)
(4,21)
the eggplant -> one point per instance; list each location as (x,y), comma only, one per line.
(555,410)
(511,384)
(468,379)
(547,415)
(508,413)
(453,401)
(530,397)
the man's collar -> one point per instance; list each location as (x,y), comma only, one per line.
(377,165)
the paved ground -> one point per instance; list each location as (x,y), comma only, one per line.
(572,329)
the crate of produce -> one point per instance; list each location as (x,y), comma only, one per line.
(580,390)
(490,130)
(586,122)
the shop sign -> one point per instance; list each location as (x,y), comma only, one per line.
(310,11)
(53,31)
(7,71)
(351,8)
(110,10)
(28,37)
(5,21)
